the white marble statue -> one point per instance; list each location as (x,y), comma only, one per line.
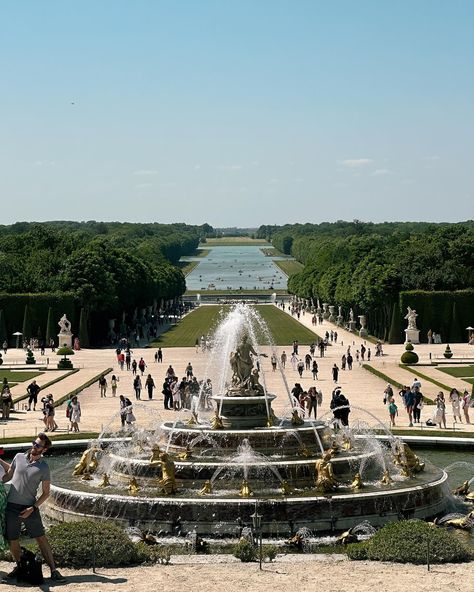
(411,318)
(64,325)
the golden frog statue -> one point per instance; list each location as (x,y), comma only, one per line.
(357,482)
(325,480)
(206,488)
(88,462)
(245,490)
(133,487)
(167,483)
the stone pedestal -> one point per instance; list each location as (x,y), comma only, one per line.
(351,326)
(412,335)
(325,312)
(332,317)
(340,321)
(65,339)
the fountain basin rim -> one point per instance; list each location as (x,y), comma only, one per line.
(249,500)
(263,430)
(245,398)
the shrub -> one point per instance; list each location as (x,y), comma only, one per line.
(409,356)
(447,352)
(270,552)
(245,551)
(153,553)
(72,545)
(409,346)
(407,542)
(30,358)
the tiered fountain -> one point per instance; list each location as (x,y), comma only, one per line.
(204,472)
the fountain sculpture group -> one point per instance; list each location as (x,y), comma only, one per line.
(204,472)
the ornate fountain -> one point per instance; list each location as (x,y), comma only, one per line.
(204,472)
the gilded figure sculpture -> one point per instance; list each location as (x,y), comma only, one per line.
(133,486)
(206,488)
(463,489)
(406,459)
(325,480)
(216,422)
(88,462)
(167,483)
(386,478)
(245,490)
(105,481)
(357,482)
(296,419)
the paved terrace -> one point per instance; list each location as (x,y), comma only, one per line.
(364,390)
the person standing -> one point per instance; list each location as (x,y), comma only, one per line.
(294,360)
(33,390)
(114,384)
(7,402)
(455,399)
(392,410)
(167,396)
(409,400)
(26,472)
(150,385)
(141,365)
(75,414)
(349,361)
(103,386)
(314,370)
(137,385)
(417,405)
(335,373)
(125,403)
(300,367)
(273,361)
(312,402)
(160,355)
(440,416)
(466,404)
(189,371)
(283,359)
(134,367)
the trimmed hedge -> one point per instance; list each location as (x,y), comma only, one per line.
(407,542)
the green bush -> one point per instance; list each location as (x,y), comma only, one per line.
(245,551)
(409,357)
(65,364)
(153,553)
(447,352)
(409,346)
(407,542)
(30,358)
(270,552)
(72,545)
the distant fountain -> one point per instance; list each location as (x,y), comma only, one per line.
(203,472)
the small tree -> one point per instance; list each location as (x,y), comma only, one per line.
(3,328)
(27,331)
(50,327)
(30,357)
(83,331)
(65,363)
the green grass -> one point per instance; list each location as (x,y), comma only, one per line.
(392,381)
(461,372)
(16,376)
(187,266)
(202,321)
(417,373)
(289,267)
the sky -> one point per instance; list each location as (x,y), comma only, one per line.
(236,112)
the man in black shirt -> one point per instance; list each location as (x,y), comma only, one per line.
(33,390)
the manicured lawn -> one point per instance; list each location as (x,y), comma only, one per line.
(460,372)
(16,376)
(202,321)
(290,266)
(187,266)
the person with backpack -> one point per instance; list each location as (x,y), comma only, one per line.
(33,390)
(125,404)
(26,473)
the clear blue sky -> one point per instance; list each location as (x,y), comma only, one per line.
(236,113)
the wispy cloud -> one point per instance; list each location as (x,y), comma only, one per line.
(144,173)
(231,167)
(354,163)
(381,172)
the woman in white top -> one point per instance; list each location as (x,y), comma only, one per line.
(466,403)
(75,414)
(455,399)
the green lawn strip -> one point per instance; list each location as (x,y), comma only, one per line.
(187,266)
(289,267)
(48,384)
(463,372)
(203,320)
(15,376)
(53,437)
(469,380)
(417,373)
(78,390)
(392,381)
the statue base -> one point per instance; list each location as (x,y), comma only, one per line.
(332,319)
(351,326)
(363,332)
(64,339)
(340,321)
(412,335)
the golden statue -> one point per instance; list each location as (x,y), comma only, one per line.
(155,455)
(325,480)
(406,459)
(86,477)
(185,454)
(245,490)
(304,451)
(216,422)
(192,420)
(88,462)
(133,487)
(272,419)
(105,481)
(386,478)
(357,482)
(296,419)
(462,489)
(346,443)
(470,496)
(167,483)
(346,538)
(286,488)
(458,521)
(206,488)
(334,447)
(297,541)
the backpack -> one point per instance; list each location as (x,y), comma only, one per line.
(30,568)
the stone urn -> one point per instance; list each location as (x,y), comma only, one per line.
(332,317)
(363,323)
(325,311)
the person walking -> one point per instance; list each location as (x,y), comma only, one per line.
(409,401)
(137,386)
(417,405)
(273,361)
(141,366)
(300,368)
(312,402)
(150,385)
(283,359)
(307,361)
(349,361)
(125,403)
(294,360)
(75,414)
(167,396)
(392,410)
(314,370)
(440,414)
(25,473)
(33,390)
(134,367)
(114,384)
(455,399)
(335,373)
(160,355)
(189,371)
(466,404)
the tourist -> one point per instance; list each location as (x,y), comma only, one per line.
(49,413)
(440,413)
(134,367)
(314,370)
(33,390)
(74,414)
(303,400)
(340,406)
(415,383)
(362,352)
(409,399)
(102,386)
(300,368)
(167,396)
(417,404)
(121,360)
(170,373)
(283,359)
(7,402)
(312,401)
(466,404)
(149,385)
(296,391)
(25,473)
(160,355)
(369,353)
(130,418)
(392,410)
(388,393)
(196,345)
(349,360)
(455,399)
(294,360)
(114,384)
(295,347)
(189,371)
(176,395)
(273,361)
(124,404)
(141,366)
(335,372)
(5,346)
(128,358)
(307,361)
(137,387)
(343,362)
